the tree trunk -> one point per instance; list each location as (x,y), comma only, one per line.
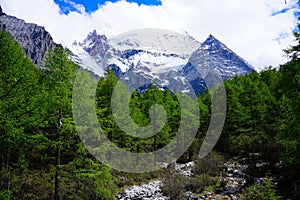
(58,155)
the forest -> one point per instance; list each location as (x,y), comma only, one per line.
(42,156)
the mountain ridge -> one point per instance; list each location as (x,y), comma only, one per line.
(34,39)
(138,61)
(139,58)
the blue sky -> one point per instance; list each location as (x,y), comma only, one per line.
(67,6)
(92,5)
(286,9)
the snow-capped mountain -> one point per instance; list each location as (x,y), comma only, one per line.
(139,58)
(168,59)
(229,64)
(213,63)
(157,40)
(156,50)
(91,52)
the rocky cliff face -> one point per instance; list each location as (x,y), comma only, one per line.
(212,64)
(35,40)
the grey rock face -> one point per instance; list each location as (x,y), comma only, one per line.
(214,63)
(230,63)
(34,40)
(99,44)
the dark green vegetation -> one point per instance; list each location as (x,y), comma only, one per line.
(140,105)
(42,157)
(41,154)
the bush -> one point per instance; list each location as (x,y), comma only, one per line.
(262,191)
(209,165)
(200,182)
(174,184)
(5,194)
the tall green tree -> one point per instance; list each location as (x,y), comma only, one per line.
(18,111)
(289,136)
(58,83)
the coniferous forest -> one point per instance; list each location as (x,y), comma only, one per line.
(42,157)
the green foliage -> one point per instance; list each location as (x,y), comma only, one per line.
(293,52)
(211,164)
(263,117)
(85,178)
(200,182)
(42,157)
(18,112)
(174,184)
(139,106)
(206,171)
(5,194)
(262,191)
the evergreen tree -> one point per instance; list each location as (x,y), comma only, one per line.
(58,90)
(18,112)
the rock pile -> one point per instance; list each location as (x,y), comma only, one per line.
(184,169)
(233,177)
(150,191)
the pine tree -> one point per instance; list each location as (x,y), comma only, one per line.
(18,113)
(58,90)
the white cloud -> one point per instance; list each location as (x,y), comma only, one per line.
(247,27)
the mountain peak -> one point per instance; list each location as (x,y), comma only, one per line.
(212,43)
(1,11)
(95,36)
(211,37)
(93,33)
(220,57)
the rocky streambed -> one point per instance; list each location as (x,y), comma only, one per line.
(152,190)
(233,179)
(149,191)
